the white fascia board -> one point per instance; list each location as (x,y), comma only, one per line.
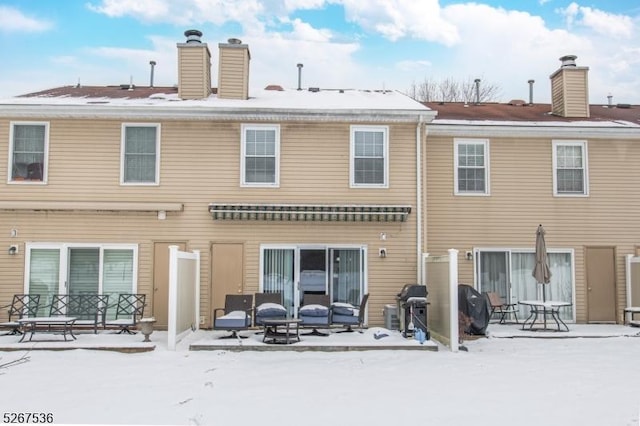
(203,113)
(534,131)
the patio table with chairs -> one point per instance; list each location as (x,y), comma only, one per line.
(540,310)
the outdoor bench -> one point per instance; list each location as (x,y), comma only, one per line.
(89,309)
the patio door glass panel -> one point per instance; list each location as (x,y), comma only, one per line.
(84,271)
(346,275)
(493,273)
(44,276)
(278,276)
(117,276)
(313,272)
(523,285)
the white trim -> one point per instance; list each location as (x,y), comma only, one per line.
(385,135)
(585,166)
(589,130)
(123,132)
(487,184)
(201,112)
(243,136)
(45,161)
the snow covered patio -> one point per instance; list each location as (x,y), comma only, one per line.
(374,338)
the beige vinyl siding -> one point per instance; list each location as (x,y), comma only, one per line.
(200,164)
(557,95)
(233,73)
(569,91)
(522,197)
(194,72)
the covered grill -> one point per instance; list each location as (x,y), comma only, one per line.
(412,309)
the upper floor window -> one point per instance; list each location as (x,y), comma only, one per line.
(260,163)
(29,143)
(370,156)
(471,168)
(570,175)
(140,163)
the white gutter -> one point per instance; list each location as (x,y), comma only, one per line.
(620,130)
(204,112)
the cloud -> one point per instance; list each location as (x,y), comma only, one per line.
(604,23)
(396,19)
(413,65)
(12,20)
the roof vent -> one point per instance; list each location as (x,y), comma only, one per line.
(517,102)
(568,61)
(314,89)
(193,36)
(275,87)
(234,41)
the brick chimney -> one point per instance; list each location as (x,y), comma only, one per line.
(233,70)
(570,89)
(194,67)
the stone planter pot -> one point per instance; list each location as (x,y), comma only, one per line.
(145,325)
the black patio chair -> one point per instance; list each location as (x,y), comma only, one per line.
(129,310)
(21,306)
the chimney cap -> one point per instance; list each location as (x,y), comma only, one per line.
(193,36)
(568,60)
(531,81)
(234,41)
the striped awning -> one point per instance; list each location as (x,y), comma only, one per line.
(310,212)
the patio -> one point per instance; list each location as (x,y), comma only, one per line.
(208,340)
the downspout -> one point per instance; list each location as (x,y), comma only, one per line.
(419,137)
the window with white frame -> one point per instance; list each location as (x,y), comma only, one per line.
(260,163)
(471,166)
(570,175)
(140,164)
(370,156)
(29,144)
(72,268)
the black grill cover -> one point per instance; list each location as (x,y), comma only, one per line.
(475,306)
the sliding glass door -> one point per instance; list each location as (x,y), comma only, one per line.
(296,271)
(509,273)
(59,268)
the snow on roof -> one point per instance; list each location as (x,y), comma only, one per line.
(322,99)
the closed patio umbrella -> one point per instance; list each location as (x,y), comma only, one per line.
(541,271)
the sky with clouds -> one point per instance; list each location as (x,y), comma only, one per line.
(370,44)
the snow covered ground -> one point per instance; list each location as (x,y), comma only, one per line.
(516,381)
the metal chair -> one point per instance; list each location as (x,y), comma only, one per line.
(129,310)
(502,308)
(22,306)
